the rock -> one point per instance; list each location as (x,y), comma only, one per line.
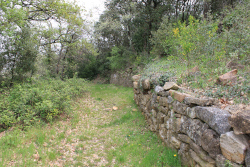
(177,115)
(174,124)
(163,133)
(145,99)
(216,118)
(228,77)
(164,110)
(158,89)
(201,153)
(247,159)
(136,78)
(115,108)
(240,122)
(146,84)
(170,85)
(232,109)
(154,113)
(198,101)
(170,100)
(180,108)
(160,118)
(184,138)
(194,128)
(210,142)
(221,161)
(199,160)
(186,159)
(163,93)
(191,112)
(163,101)
(177,95)
(234,147)
(175,143)
(136,91)
(135,85)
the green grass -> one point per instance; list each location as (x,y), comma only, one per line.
(89,136)
(136,145)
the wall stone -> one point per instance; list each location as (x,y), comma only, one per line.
(234,147)
(201,134)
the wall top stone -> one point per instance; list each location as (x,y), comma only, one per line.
(199,101)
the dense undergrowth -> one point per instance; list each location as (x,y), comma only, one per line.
(40,100)
(214,46)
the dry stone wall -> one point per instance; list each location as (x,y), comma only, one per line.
(202,134)
(122,78)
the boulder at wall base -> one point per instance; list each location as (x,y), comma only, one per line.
(234,147)
(240,122)
(210,142)
(230,76)
(216,118)
(221,161)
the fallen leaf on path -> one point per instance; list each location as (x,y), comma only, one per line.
(115,108)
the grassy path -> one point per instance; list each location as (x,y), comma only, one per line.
(94,134)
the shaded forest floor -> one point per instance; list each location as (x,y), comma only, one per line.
(104,128)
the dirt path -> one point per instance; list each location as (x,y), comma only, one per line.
(92,134)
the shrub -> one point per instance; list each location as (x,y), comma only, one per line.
(42,99)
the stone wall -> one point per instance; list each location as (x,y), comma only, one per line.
(122,78)
(203,134)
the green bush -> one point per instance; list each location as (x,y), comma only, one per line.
(121,57)
(43,99)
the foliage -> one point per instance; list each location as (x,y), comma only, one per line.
(210,44)
(120,57)
(41,37)
(159,72)
(43,99)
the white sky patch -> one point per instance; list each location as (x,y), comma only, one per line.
(95,7)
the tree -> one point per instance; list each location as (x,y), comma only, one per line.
(31,30)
